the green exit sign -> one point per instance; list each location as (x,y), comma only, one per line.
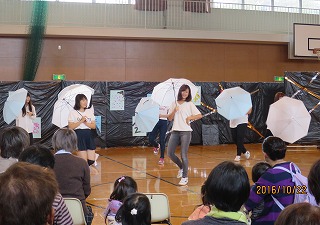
(58,77)
(278,78)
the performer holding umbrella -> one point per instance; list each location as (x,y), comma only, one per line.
(82,121)
(26,117)
(183,111)
(235,104)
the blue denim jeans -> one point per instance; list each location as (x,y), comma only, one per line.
(161,128)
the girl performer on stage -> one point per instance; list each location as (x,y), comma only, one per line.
(26,117)
(183,111)
(161,128)
(238,130)
(82,121)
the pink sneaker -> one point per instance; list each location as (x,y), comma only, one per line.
(161,161)
(156,150)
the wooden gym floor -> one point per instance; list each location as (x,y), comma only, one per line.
(141,164)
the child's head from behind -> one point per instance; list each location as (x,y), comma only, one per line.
(227,187)
(258,170)
(136,210)
(274,148)
(122,187)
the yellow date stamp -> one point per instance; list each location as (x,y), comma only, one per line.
(277,189)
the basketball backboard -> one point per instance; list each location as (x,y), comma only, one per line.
(306,38)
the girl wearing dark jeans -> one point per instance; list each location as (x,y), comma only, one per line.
(161,128)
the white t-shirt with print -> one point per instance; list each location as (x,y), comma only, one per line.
(74,117)
(185,109)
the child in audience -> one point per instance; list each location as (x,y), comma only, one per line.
(202,209)
(226,189)
(136,210)
(122,187)
(257,171)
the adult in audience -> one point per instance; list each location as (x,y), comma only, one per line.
(27,192)
(12,142)
(299,214)
(226,189)
(72,172)
(314,181)
(42,156)
(274,151)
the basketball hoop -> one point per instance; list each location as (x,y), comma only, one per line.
(317,52)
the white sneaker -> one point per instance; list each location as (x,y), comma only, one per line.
(247,154)
(179,175)
(95,159)
(237,158)
(183,181)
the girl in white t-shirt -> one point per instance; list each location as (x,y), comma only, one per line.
(182,111)
(82,120)
(26,117)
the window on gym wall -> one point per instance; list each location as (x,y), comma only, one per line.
(260,5)
(310,6)
(116,1)
(287,6)
(227,4)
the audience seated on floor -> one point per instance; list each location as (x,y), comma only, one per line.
(42,156)
(72,172)
(299,214)
(226,189)
(12,142)
(27,193)
(135,210)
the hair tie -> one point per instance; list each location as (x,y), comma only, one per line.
(121,179)
(134,211)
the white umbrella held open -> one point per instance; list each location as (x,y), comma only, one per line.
(13,105)
(233,103)
(66,101)
(146,114)
(167,92)
(288,119)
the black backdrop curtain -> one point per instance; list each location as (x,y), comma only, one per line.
(304,78)
(117,125)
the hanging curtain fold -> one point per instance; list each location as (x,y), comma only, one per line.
(37,30)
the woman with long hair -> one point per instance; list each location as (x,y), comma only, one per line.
(26,117)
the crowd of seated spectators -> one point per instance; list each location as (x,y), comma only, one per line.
(227,197)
